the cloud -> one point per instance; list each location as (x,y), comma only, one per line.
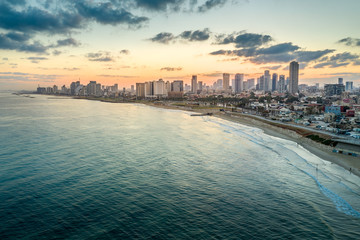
(125,52)
(230,59)
(342,74)
(191,36)
(354,42)
(171,69)
(33,19)
(116,76)
(280,53)
(209,4)
(163,37)
(68,42)
(279,48)
(62,17)
(159,5)
(308,56)
(65,17)
(5,59)
(222,52)
(22,42)
(100,57)
(13,41)
(108,13)
(212,74)
(37,59)
(198,35)
(72,69)
(272,67)
(338,60)
(343,57)
(18,37)
(331,65)
(177,5)
(15,73)
(56,53)
(15,2)
(27,77)
(243,40)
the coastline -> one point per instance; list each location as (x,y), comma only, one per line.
(273,129)
(322,151)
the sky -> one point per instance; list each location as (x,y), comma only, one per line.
(47,42)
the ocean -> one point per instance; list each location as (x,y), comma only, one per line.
(80,169)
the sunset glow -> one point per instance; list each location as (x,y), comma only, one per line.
(124,42)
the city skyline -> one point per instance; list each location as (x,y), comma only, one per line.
(126,42)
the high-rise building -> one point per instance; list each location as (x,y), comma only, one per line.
(281,84)
(245,85)
(294,77)
(200,86)
(91,88)
(72,88)
(177,86)
(159,88)
(238,86)
(98,91)
(250,83)
(149,89)
(226,81)
(219,84)
(262,83)
(349,86)
(140,90)
(64,90)
(334,89)
(267,81)
(340,81)
(176,89)
(194,84)
(274,81)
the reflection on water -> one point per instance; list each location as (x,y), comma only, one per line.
(85,169)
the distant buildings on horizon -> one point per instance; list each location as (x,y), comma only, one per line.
(177,88)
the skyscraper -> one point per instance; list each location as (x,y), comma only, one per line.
(340,81)
(262,83)
(226,81)
(267,81)
(294,77)
(239,79)
(281,84)
(334,89)
(177,86)
(140,90)
(251,83)
(349,86)
(159,88)
(194,84)
(274,81)
(200,86)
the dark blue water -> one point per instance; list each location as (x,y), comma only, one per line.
(78,169)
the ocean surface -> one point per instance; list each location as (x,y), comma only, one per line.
(80,169)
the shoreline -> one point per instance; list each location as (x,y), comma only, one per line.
(320,150)
(273,129)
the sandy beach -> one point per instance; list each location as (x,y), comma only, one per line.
(320,150)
